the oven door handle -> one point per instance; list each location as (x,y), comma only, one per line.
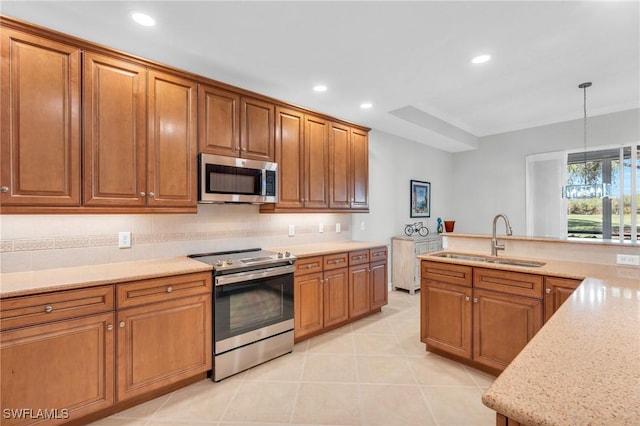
(254,275)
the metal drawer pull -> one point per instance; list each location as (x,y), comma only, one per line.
(142,194)
(122,324)
(475,300)
(169,289)
(466,299)
(548,291)
(337,261)
(109,327)
(48,308)
(152,194)
(5,189)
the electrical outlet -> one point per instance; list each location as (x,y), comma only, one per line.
(292,230)
(338,228)
(321,228)
(628,259)
(124,239)
(362,226)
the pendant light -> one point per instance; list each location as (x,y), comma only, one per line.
(586,190)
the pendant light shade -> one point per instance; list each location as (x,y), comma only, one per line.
(586,190)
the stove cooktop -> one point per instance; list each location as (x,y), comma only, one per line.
(241,259)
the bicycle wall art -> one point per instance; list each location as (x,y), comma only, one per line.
(420,199)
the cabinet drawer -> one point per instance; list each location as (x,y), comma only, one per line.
(378,253)
(358,257)
(508,282)
(335,261)
(308,265)
(167,288)
(447,273)
(42,308)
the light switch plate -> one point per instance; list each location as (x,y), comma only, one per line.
(292,230)
(338,228)
(124,239)
(321,228)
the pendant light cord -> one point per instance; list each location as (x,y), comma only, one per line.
(584,87)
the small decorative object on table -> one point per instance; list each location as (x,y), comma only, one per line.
(422,230)
(449,224)
(440,227)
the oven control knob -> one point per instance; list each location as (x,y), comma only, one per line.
(219,263)
(287,254)
(279,255)
(229,262)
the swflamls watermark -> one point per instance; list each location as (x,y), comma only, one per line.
(36,413)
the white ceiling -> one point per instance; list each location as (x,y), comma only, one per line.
(410,59)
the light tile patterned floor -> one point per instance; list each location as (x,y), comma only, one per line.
(372,372)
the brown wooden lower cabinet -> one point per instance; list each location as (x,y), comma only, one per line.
(62,370)
(487,320)
(58,354)
(333,289)
(556,292)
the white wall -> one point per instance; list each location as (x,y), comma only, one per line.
(393,163)
(491,179)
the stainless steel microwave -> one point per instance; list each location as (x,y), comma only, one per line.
(236,180)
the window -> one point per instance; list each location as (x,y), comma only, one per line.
(613,218)
(610,218)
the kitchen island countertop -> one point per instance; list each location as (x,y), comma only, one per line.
(583,366)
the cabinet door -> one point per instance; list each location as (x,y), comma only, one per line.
(339,166)
(379,285)
(316,160)
(308,304)
(66,366)
(502,325)
(114,129)
(218,121)
(359,290)
(290,157)
(163,343)
(172,148)
(256,136)
(359,169)
(445,322)
(40,121)
(336,296)
(556,292)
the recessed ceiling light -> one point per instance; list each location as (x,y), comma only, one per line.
(366,105)
(143,19)
(320,88)
(481,59)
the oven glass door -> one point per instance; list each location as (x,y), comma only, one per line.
(232,180)
(250,305)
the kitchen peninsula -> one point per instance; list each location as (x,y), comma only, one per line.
(583,366)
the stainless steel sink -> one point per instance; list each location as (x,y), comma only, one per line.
(494,260)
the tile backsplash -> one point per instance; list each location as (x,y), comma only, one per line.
(35,242)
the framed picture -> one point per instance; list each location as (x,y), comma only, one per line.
(420,199)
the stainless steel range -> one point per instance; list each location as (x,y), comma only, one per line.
(253,308)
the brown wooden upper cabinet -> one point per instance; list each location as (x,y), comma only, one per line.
(40,121)
(139,135)
(235,126)
(322,165)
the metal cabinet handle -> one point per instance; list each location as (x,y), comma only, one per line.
(244,149)
(467,298)
(48,308)
(169,289)
(152,194)
(109,327)
(237,148)
(5,189)
(547,290)
(475,300)
(143,194)
(122,324)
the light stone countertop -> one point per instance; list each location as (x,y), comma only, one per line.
(306,250)
(45,281)
(583,366)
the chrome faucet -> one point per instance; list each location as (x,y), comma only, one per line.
(495,246)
